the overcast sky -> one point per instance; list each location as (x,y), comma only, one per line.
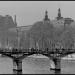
(28,12)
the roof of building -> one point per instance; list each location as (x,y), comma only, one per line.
(20,28)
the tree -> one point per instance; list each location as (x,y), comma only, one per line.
(43,33)
(67,39)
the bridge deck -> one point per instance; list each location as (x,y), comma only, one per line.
(46,52)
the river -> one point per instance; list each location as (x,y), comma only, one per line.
(31,65)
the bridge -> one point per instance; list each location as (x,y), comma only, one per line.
(17,55)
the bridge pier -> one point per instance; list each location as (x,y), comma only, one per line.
(17,66)
(57,63)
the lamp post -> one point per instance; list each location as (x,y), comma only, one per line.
(17,38)
(17,62)
(7,40)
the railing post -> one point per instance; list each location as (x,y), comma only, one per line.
(17,66)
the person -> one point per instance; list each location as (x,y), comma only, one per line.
(47,50)
(32,49)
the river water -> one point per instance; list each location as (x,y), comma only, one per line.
(31,65)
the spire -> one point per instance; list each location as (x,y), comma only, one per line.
(59,12)
(46,15)
(46,12)
(15,20)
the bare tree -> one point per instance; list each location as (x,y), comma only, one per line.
(67,39)
(42,33)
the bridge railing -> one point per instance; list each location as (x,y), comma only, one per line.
(38,51)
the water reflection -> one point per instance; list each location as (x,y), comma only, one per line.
(57,72)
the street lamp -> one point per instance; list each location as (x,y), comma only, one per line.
(7,41)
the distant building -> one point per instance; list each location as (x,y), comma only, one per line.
(6,22)
(68,21)
(9,30)
(46,19)
(59,15)
(57,22)
(61,21)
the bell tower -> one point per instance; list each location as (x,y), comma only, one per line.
(59,14)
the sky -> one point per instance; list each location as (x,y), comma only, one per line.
(29,12)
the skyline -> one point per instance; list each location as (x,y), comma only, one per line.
(29,12)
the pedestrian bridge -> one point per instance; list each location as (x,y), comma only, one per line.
(53,53)
(19,54)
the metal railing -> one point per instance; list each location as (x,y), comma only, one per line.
(38,51)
